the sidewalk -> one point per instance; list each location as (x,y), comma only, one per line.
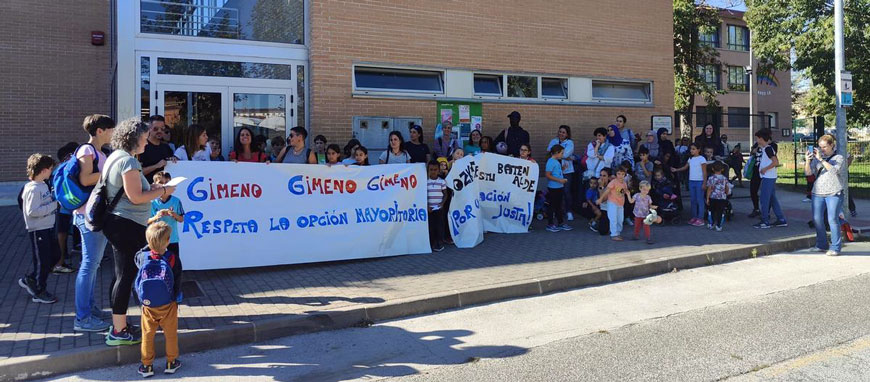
(245,297)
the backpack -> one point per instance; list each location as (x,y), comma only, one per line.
(98,205)
(68,191)
(155,282)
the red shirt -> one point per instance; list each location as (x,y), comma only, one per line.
(256,157)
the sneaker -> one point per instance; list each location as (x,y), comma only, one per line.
(28,284)
(565,227)
(90,324)
(761,225)
(44,298)
(853,213)
(635,238)
(570,217)
(124,337)
(593,228)
(698,223)
(755,214)
(629,222)
(171,367)
(62,269)
(616,238)
(709,226)
(832,253)
(146,371)
(718,228)
(807,200)
(552,228)
(437,248)
(692,221)
(781,223)
(818,250)
(650,241)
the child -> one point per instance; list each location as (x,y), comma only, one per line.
(737,164)
(39,207)
(361,156)
(555,185)
(589,209)
(767,164)
(615,194)
(443,167)
(697,166)
(631,183)
(167,209)
(164,316)
(436,189)
(643,168)
(216,155)
(642,207)
(63,218)
(662,186)
(718,189)
(526,152)
(278,144)
(333,154)
(457,155)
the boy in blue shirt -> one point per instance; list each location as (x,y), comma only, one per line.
(555,188)
(167,209)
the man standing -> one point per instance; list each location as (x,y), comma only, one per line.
(156,152)
(513,137)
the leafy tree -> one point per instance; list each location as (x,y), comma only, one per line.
(806,28)
(690,53)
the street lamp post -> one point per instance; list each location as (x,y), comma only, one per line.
(840,67)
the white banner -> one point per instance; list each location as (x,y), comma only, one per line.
(492,193)
(253,214)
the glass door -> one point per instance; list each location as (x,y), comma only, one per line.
(184,105)
(267,112)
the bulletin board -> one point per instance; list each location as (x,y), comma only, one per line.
(466,116)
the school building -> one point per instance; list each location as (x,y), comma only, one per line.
(341,68)
(770,90)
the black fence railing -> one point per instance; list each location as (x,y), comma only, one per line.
(792,156)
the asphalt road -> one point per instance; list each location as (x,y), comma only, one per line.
(793,317)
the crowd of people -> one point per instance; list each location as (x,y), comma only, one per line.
(618,171)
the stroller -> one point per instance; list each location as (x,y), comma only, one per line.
(541,205)
(668,208)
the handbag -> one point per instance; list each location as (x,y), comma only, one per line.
(98,205)
(749,170)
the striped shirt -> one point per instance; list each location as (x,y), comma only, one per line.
(435,191)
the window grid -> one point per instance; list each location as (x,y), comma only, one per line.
(737,79)
(710,75)
(710,39)
(738,38)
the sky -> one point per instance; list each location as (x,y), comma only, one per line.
(737,5)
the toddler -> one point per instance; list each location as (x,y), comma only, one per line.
(718,189)
(615,194)
(642,207)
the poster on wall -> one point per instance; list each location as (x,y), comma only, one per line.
(250,214)
(477,123)
(446,115)
(492,193)
(462,114)
(662,121)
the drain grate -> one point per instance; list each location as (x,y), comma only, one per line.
(191,289)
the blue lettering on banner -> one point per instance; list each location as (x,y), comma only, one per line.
(283,224)
(495,196)
(392,214)
(457,218)
(196,195)
(325,220)
(515,213)
(193,222)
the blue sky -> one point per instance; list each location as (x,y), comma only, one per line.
(736,5)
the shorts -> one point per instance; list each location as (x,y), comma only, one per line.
(63,222)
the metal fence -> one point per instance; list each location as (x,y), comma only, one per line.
(792,156)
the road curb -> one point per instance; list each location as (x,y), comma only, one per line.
(41,366)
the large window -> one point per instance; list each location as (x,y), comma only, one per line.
(554,87)
(258,20)
(710,39)
(488,85)
(710,75)
(738,38)
(738,117)
(210,68)
(522,86)
(621,91)
(704,115)
(398,80)
(737,79)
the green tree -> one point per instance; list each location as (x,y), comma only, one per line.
(806,29)
(690,53)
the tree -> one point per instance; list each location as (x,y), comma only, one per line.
(690,53)
(806,29)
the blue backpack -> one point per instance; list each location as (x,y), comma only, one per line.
(68,191)
(155,281)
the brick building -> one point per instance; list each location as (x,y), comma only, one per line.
(771,91)
(341,68)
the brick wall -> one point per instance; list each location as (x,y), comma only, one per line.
(50,76)
(628,39)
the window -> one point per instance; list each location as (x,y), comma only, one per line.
(257,20)
(522,87)
(488,85)
(300,96)
(398,80)
(703,116)
(737,79)
(554,87)
(145,87)
(189,67)
(772,119)
(738,38)
(621,91)
(710,75)
(738,117)
(710,39)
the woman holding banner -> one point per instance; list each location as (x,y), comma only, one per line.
(245,150)
(396,150)
(295,151)
(125,223)
(418,150)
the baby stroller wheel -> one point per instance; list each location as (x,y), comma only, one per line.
(539,216)
(675,220)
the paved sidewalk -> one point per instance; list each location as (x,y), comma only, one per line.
(235,297)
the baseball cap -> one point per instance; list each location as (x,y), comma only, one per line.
(514,114)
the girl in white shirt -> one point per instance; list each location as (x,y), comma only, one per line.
(697,166)
(195,146)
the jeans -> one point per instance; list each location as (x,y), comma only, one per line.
(93,249)
(616,214)
(833,204)
(696,195)
(767,198)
